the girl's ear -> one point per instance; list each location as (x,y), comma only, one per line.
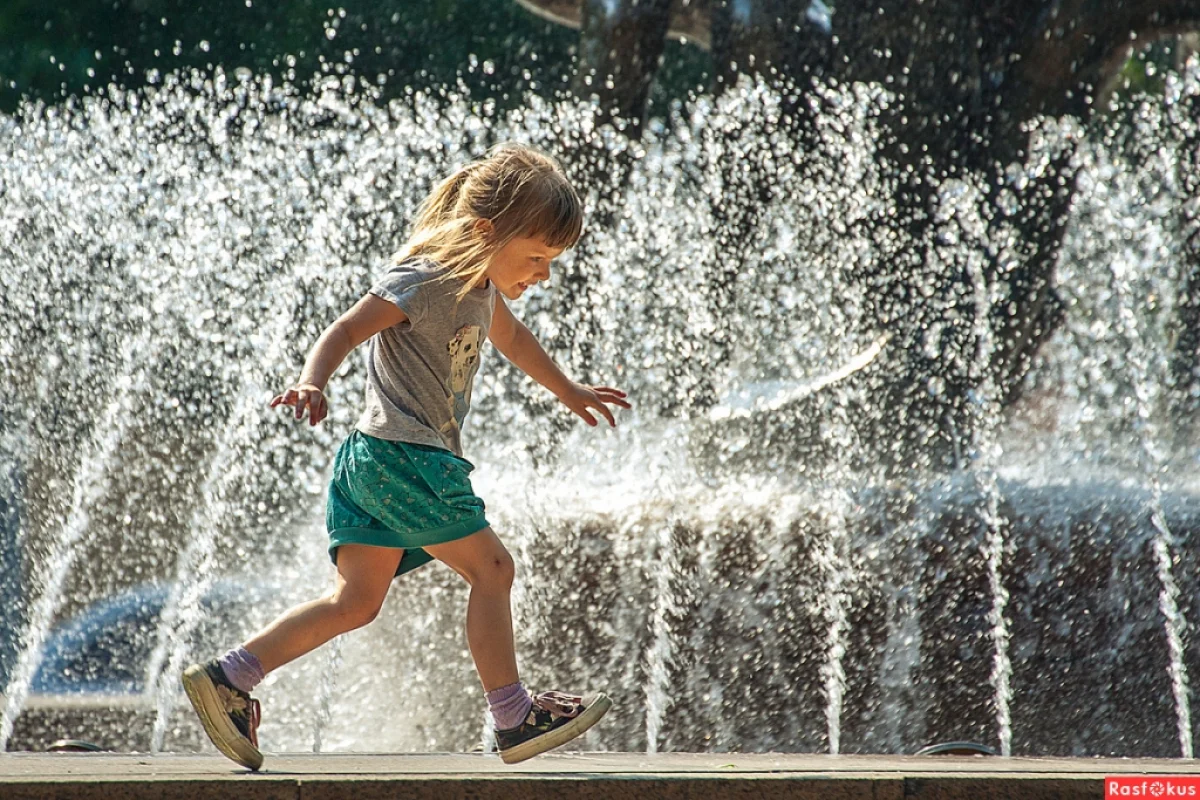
(484,227)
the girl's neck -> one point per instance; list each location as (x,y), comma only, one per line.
(482,285)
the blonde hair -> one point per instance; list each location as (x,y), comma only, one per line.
(522,192)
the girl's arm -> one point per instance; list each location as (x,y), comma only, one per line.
(518,344)
(369,315)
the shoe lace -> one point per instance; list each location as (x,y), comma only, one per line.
(558,704)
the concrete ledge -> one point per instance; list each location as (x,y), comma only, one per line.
(587,776)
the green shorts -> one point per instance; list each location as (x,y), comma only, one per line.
(396,494)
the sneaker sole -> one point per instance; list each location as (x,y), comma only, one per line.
(559,736)
(204,699)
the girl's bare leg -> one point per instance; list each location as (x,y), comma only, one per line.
(482,560)
(364,574)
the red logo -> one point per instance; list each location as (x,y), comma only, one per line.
(1153,787)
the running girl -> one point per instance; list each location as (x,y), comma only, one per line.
(401,493)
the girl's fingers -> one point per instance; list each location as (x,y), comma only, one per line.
(304,402)
(612,396)
(603,409)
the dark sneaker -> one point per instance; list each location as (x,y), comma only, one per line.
(229,715)
(554,720)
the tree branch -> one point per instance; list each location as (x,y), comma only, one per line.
(1074,47)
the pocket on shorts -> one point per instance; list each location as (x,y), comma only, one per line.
(444,473)
(454,475)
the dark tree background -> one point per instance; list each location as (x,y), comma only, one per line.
(75,46)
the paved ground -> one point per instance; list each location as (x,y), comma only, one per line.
(612,776)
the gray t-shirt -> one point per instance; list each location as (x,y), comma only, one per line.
(419,373)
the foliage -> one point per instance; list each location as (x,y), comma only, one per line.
(496,48)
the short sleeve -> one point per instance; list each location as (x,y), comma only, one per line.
(405,285)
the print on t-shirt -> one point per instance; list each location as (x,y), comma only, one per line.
(464,361)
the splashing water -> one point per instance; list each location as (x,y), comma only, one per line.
(325,694)
(835,497)
(902,648)
(90,484)
(671,597)
(958,210)
(685,562)
(833,669)
(1147,371)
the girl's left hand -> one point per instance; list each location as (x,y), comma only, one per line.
(580,398)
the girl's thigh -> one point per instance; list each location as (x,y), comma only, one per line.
(364,572)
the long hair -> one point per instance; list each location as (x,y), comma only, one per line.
(521,191)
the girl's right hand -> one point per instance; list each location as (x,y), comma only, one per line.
(305,396)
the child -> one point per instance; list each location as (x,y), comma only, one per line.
(401,494)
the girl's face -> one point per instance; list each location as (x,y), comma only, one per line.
(520,264)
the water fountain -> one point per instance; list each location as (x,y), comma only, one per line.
(88,486)
(730,596)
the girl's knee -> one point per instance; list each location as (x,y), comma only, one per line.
(496,571)
(480,559)
(355,610)
(505,569)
